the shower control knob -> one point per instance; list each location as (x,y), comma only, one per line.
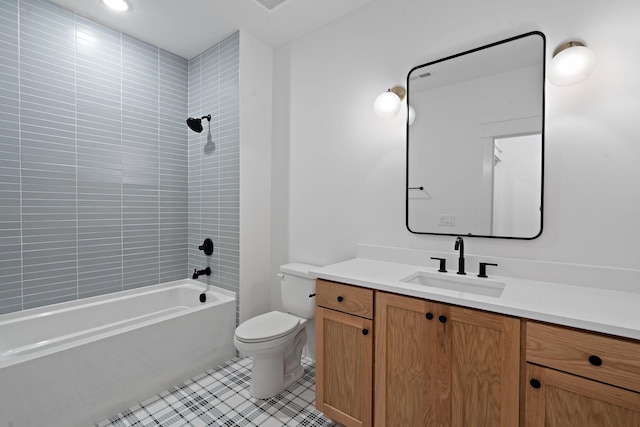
(207,246)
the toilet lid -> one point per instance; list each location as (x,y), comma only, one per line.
(266,327)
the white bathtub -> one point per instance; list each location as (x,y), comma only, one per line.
(77,363)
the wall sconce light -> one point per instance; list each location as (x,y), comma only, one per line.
(572,63)
(387,104)
(412,115)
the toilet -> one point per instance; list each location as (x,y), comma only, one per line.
(275,340)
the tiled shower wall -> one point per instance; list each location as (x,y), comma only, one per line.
(214,162)
(99,190)
(93,159)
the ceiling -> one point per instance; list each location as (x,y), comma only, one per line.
(188,27)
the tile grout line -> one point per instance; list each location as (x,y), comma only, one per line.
(200,159)
(75,125)
(159,168)
(18,4)
(122,269)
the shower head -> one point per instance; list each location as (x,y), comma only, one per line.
(196,124)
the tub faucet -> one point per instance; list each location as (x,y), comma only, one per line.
(460,246)
(198,273)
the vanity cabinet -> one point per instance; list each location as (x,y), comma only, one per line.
(344,353)
(443,365)
(435,364)
(576,378)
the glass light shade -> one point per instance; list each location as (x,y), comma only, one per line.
(571,66)
(387,105)
(119,5)
(412,115)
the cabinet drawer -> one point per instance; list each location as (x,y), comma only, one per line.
(603,358)
(345,298)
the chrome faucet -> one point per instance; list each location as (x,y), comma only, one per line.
(460,246)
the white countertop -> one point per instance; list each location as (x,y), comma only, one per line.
(600,310)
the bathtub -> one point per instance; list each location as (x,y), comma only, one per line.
(77,363)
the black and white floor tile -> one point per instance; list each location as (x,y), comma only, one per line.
(220,397)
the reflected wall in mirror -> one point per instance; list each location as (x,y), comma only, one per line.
(475,153)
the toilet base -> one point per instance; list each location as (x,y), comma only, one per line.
(267,379)
(270,375)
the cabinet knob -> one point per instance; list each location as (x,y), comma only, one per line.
(595,360)
(442,319)
(365,332)
(429,316)
(535,383)
(340,299)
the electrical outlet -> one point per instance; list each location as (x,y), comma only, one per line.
(447,220)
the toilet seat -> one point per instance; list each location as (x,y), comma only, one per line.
(267,327)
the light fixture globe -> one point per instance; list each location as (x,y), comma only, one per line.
(387,105)
(412,115)
(572,63)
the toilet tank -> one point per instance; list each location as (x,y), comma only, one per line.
(296,284)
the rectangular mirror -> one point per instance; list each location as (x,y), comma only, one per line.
(475,151)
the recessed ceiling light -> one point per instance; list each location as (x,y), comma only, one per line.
(119,5)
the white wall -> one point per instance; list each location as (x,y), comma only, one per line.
(347,169)
(256,64)
(280,171)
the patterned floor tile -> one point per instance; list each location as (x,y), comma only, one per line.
(220,397)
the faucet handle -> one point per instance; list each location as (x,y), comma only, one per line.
(443,264)
(207,246)
(483,269)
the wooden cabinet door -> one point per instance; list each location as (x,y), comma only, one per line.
(478,368)
(445,366)
(344,367)
(405,373)
(558,399)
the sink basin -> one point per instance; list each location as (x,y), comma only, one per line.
(466,284)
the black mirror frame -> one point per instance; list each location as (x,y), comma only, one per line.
(544,67)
